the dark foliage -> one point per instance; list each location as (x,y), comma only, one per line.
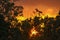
(10,29)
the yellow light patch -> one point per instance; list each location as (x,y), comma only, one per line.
(20,18)
(33,32)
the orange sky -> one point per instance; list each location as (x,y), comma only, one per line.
(48,7)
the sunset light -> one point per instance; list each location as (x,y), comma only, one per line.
(33,32)
(29,19)
(20,18)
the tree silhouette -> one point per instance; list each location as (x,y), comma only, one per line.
(39,12)
(10,29)
(36,21)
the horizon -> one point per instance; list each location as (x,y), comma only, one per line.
(48,7)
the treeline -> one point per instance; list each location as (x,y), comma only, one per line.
(11,29)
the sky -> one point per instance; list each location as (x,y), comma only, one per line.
(48,7)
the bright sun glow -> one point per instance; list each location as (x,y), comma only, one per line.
(42,25)
(49,12)
(20,18)
(33,32)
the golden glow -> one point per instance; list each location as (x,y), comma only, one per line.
(42,25)
(21,29)
(33,32)
(50,12)
(47,10)
(20,18)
